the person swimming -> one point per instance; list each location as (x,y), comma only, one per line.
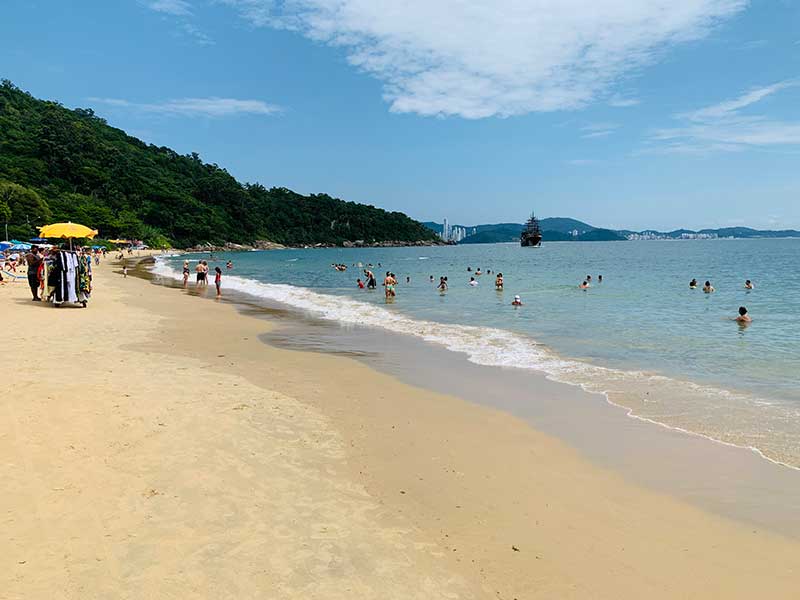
(517,301)
(599,279)
(472,282)
(478,271)
(708,288)
(743,316)
(498,282)
(584,285)
(693,284)
(748,285)
(431,279)
(588,278)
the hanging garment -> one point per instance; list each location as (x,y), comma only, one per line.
(71,265)
(84,279)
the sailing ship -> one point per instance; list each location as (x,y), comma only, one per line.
(531,234)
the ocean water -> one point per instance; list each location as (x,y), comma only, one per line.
(665,353)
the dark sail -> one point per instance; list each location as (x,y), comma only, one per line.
(531,234)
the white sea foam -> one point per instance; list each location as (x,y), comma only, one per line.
(490,346)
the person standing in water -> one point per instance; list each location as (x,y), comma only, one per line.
(748,285)
(584,285)
(185,273)
(218,280)
(708,288)
(472,282)
(693,284)
(743,316)
(517,301)
(200,273)
(498,282)
(442,285)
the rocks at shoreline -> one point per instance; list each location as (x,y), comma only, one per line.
(267,245)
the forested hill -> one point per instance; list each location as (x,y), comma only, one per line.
(58,164)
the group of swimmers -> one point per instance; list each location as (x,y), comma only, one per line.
(587,282)
(743,317)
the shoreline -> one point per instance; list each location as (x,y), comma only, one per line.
(245,470)
(669,460)
(641,389)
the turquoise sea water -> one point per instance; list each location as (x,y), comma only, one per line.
(642,337)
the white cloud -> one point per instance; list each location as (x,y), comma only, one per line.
(596,130)
(194,107)
(730,107)
(179,8)
(197,34)
(621,102)
(723,127)
(481,58)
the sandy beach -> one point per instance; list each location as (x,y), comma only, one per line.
(154,447)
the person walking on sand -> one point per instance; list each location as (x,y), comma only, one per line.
(218,280)
(34,260)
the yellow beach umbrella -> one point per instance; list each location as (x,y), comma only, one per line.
(67,230)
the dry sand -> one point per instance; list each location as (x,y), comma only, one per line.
(153,447)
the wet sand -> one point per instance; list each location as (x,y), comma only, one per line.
(181,457)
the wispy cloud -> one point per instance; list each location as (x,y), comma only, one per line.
(197,34)
(621,102)
(196,107)
(475,59)
(723,127)
(182,12)
(597,130)
(178,8)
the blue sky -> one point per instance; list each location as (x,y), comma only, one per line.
(623,113)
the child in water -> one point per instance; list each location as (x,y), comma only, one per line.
(360,284)
(218,280)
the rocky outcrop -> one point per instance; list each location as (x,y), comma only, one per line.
(268,245)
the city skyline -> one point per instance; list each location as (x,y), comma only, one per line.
(544,113)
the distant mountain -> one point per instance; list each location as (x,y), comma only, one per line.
(563,229)
(554,229)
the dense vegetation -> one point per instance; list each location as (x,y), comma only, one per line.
(58,164)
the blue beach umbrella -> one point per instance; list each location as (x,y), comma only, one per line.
(20,246)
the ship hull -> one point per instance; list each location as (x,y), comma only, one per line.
(531,242)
